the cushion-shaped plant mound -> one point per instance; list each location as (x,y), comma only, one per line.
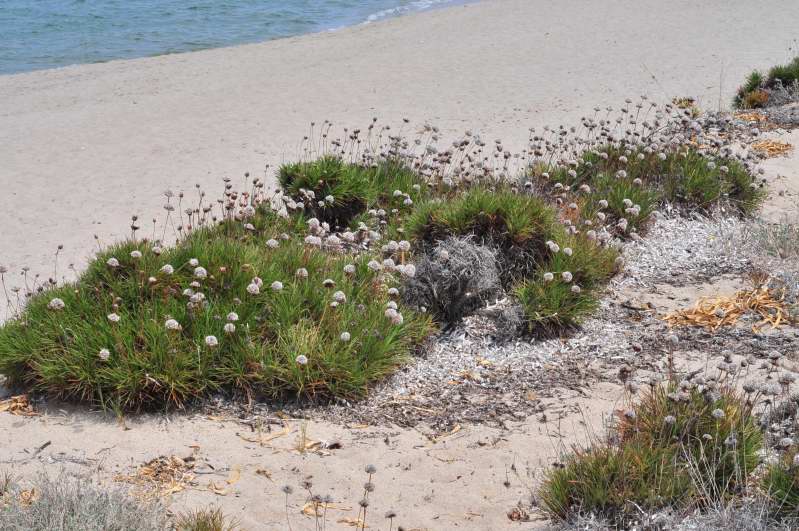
(553,272)
(633,181)
(754,92)
(610,481)
(679,445)
(337,192)
(225,309)
(517,226)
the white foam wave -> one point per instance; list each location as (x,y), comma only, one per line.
(417,5)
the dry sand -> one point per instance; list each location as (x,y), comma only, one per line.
(82,148)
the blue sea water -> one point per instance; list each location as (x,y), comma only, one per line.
(37,34)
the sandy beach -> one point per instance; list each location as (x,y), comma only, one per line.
(84,147)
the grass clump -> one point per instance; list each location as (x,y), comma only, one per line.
(337,192)
(620,187)
(67,503)
(686,445)
(755,92)
(553,272)
(205,520)
(227,308)
(781,485)
(516,226)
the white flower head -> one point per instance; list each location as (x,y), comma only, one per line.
(172,324)
(374,265)
(167,269)
(340,297)
(232,317)
(277,285)
(345,337)
(409,270)
(302,273)
(576,289)
(104,354)
(393,292)
(135,255)
(567,251)
(194,262)
(718,414)
(229,328)
(549,277)
(113,317)
(157,250)
(253,289)
(56,304)
(566,276)
(349,269)
(211,341)
(301,360)
(200,272)
(272,243)
(404,246)
(112,262)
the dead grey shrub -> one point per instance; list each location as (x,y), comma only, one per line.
(70,503)
(453,279)
(749,515)
(777,239)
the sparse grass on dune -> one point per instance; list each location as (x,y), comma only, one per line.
(223,309)
(205,520)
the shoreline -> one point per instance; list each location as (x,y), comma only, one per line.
(359,23)
(85,147)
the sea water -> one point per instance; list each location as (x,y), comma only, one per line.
(38,34)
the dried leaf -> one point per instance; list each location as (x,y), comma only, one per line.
(352,522)
(234,476)
(18,405)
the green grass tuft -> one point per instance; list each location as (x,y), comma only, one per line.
(205,520)
(353,188)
